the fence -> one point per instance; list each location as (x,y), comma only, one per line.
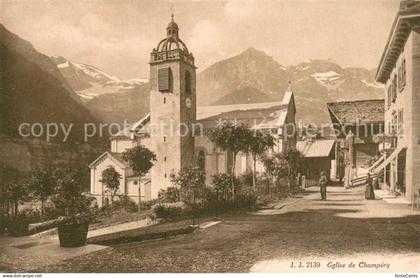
(309,182)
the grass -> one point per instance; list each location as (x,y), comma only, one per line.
(118,217)
(157,231)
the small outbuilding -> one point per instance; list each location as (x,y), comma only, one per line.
(319,155)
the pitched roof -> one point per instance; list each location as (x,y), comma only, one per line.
(407,18)
(262,118)
(365,111)
(138,127)
(204,112)
(317,148)
(116,157)
(256,115)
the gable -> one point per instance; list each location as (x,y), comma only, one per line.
(109,158)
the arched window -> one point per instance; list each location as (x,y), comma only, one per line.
(201,160)
(187,83)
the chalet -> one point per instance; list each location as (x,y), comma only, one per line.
(356,123)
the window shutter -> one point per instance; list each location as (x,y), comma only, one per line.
(404,73)
(164,79)
(394,88)
(389,95)
(399,77)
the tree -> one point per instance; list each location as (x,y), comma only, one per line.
(191,183)
(276,166)
(281,165)
(42,185)
(111,179)
(170,194)
(230,136)
(17,193)
(221,183)
(69,198)
(258,144)
(13,188)
(141,161)
(294,161)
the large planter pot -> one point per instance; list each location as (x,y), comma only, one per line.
(74,235)
(17,227)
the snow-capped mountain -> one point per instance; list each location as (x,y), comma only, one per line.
(249,77)
(253,76)
(89,82)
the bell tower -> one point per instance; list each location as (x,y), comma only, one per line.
(172,107)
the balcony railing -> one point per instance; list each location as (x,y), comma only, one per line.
(175,54)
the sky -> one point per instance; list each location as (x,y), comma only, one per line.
(117,36)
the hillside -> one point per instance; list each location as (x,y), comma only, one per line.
(34,91)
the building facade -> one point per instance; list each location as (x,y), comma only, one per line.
(356,123)
(175,128)
(399,70)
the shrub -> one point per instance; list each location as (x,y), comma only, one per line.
(147,205)
(116,205)
(30,215)
(123,202)
(245,201)
(50,212)
(168,212)
(169,195)
(222,185)
(70,201)
(17,226)
(131,206)
(246,180)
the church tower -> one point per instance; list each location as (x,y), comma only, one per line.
(172,107)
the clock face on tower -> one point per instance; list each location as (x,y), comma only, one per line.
(188,102)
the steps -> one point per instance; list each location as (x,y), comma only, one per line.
(361,180)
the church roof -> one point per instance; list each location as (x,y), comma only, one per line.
(365,111)
(204,112)
(266,117)
(141,126)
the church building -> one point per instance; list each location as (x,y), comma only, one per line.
(169,130)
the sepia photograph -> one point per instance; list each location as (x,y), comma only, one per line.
(210,136)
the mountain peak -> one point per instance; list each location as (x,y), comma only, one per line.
(251,51)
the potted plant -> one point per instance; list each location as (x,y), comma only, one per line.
(72,230)
(75,209)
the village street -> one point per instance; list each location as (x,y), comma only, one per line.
(345,228)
